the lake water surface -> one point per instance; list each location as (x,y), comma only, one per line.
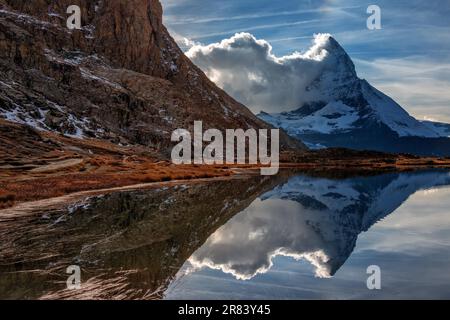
(287,237)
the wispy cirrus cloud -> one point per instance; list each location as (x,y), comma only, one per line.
(177,20)
(253,28)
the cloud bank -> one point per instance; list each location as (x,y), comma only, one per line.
(247,69)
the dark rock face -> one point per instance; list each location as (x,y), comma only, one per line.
(129,35)
(121,77)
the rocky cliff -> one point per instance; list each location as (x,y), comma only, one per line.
(121,77)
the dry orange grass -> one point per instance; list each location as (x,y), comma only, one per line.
(106,171)
(38,165)
(97,173)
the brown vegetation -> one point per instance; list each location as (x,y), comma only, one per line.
(96,173)
(40,165)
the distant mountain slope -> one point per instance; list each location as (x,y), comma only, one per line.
(349,112)
(121,78)
(443,129)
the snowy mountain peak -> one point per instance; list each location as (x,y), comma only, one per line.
(337,66)
(332,53)
(341,108)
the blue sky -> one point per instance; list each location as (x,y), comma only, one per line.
(409,59)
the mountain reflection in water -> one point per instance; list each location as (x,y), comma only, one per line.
(165,241)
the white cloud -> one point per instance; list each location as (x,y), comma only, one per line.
(247,69)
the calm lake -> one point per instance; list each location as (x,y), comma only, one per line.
(292,236)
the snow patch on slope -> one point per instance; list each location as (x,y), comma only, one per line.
(23,116)
(38,117)
(335,116)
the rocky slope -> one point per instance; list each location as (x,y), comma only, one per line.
(121,77)
(346,111)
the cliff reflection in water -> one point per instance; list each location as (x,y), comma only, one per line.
(129,244)
(132,245)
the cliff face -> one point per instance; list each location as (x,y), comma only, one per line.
(130,35)
(122,77)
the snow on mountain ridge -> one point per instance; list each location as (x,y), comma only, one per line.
(334,116)
(394,116)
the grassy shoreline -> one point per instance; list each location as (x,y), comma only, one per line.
(34,186)
(36,165)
